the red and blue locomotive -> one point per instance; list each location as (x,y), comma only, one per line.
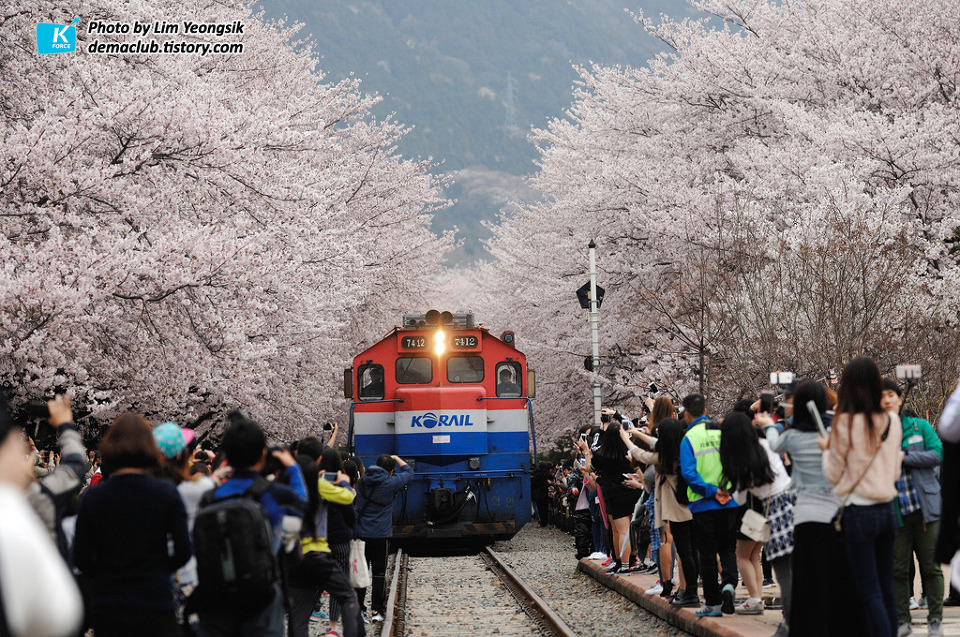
(453,400)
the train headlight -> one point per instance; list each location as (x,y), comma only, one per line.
(473,464)
(441,347)
(439,336)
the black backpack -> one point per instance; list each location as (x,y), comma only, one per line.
(233,542)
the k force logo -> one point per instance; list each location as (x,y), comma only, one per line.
(430,420)
(56,38)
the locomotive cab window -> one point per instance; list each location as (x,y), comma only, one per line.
(414,371)
(508,379)
(370,382)
(465,369)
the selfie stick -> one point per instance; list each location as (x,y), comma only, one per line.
(815,414)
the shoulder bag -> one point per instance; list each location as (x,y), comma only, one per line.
(754,525)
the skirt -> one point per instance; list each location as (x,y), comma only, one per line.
(780,514)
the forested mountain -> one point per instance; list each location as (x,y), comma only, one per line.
(471,77)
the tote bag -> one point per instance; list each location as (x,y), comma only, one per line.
(359,573)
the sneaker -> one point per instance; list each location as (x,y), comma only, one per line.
(923,602)
(685,600)
(633,568)
(951,601)
(614,568)
(934,627)
(768,583)
(377,617)
(597,556)
(656,589)
(667,590)
(913,603)
(365,617)
(709,611)
(318,616)
(652,568)
(727,594)
(904,629)
(749,608)
(782,631)
(333,632)
(608,562)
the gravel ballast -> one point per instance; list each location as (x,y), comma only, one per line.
(544,558)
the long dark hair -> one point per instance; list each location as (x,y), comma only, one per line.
(350,468)
(861,388)
(612,446)
(744,461)
(670,433)
(806,391)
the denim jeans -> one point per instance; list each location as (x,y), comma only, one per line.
(598,528)
(869,533)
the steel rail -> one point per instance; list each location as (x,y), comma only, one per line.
(532,604)
(393,623)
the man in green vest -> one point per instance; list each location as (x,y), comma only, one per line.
(715,518)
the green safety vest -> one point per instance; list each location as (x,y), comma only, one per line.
(706,449)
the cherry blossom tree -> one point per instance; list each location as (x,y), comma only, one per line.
(775,191)
(185,234)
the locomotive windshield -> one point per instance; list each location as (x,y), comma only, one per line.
(414,371)
(465,369)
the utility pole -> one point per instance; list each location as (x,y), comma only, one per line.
(595,333)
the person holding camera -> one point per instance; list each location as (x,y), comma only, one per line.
(245,447)
(38,594)
(52,496)
(326,485)
(376,491)
(756,472)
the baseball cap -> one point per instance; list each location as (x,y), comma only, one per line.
(172,439)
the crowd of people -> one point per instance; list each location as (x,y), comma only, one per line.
(151,535)
(839,495)
(836,494)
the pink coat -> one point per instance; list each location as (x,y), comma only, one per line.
(850,451)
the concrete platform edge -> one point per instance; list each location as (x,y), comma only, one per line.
(682,618)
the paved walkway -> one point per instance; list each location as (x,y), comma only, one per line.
(633,586)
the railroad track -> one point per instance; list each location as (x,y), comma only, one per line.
(464,595)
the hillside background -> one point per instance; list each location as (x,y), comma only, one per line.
(471,77)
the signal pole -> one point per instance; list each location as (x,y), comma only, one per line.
(595,333)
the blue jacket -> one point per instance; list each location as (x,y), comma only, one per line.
(688,469)
(376,492)
(278,501)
